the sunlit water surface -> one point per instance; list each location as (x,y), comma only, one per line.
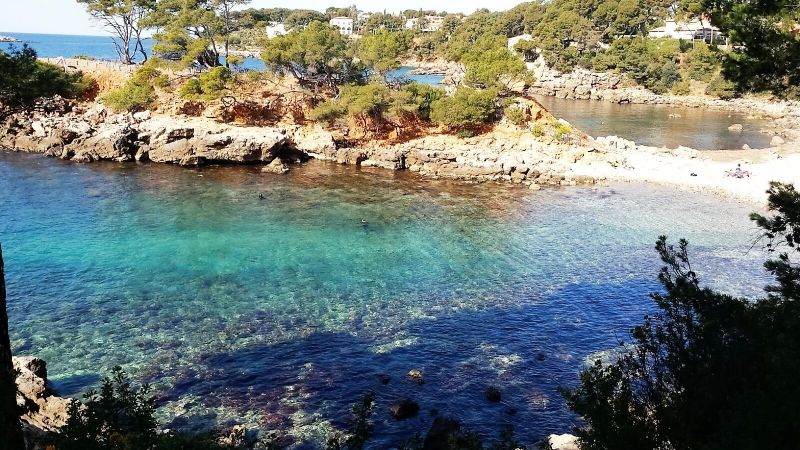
(280,313)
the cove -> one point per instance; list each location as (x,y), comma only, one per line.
(660,125)
(279,313)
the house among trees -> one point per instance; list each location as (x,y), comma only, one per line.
(343,24)
(427,24)
(275,29)
(696,29)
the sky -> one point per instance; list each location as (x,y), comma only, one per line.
(68,17)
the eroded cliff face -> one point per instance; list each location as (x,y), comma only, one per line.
(43,410)
(507,153)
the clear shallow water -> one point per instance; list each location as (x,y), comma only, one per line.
(281,313)
(702,129)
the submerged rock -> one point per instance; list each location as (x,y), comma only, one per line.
(442,429)
(737,127)
(415,376)
(404,409)
(276,166)
(492,394)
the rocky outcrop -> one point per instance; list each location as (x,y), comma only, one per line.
(404,409)
(93,134)
(42,409)
(563,442)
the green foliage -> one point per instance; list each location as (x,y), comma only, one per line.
(562,131)
(209,85)
(24,79)
(303,18)
(375,104)
(382,49)
(722,88)
(708,370)
(121,416)
(650,62)
(514,115)
(193,31)
(682,87)
(467,108)
(767,47)
(702,62)
(488,60)
(381,22)
(414,100)
(139,92)
(316,56)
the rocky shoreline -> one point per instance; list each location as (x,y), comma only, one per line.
(93,133)
(583,84)
(86,133)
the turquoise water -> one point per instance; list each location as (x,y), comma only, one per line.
(280,313)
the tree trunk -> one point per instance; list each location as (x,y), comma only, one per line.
(10,430)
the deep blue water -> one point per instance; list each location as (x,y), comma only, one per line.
(280,313)
(98,47)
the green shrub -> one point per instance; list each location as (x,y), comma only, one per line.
(121,416)
(209,85)
(467,108)
(24,79)
(702,62)
(721,88)
(464,134)
(191,88)
(683,87)
(707,370)
(562,131)
(514,115)
(139,92)
(215,81)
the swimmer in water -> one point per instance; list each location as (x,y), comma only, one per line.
(364,223)
(261,196)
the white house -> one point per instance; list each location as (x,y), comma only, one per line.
(275,29)
(696,29)
(344,24)
(429,23)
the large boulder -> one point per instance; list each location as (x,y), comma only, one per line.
(442,429)
(563,442)
(41,408)
(115,142)
(404,409)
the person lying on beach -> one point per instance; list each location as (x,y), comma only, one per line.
(737,172)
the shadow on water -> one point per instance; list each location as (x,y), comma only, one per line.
(526,351)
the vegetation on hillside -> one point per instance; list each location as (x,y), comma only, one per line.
(139,91)
(24,80)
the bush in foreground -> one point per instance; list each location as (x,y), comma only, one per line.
(707,370)
(121,416)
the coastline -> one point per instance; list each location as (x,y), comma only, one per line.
(505,154)
(88,131)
